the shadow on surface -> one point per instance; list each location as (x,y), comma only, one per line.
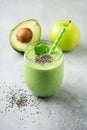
(79,51)
(65,96)
(62,97)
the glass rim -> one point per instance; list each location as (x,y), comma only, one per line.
(36,42)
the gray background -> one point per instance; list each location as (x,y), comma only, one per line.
(69,105)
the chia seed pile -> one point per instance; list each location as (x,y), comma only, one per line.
(18,97)
(21,100)
(43,58)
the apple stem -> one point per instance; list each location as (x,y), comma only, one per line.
(58,38)
(69,23)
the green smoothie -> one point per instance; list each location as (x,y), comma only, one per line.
(43,78)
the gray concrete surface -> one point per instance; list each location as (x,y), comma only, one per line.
(67,109)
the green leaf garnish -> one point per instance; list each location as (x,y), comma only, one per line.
(41,49)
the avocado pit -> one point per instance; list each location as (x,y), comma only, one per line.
(24,35)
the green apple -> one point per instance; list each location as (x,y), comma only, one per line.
(70,37)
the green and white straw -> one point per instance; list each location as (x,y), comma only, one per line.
(63,29)
(57,40)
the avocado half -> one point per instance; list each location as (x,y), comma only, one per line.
(31,30)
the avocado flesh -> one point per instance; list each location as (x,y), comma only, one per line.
(31,24)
